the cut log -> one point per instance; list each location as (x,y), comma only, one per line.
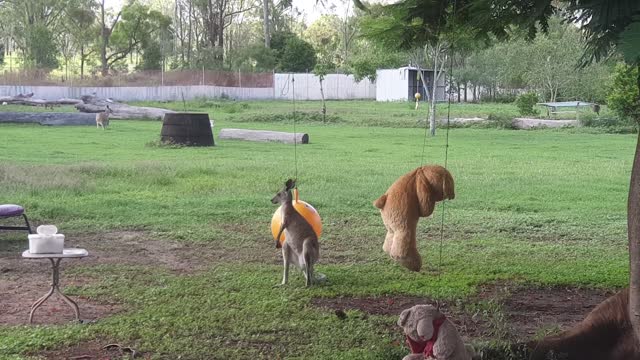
(93,104)
(29,100)
(264,135)
(48,118)
(525,123)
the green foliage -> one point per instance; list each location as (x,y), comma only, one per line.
(42,50)
(322,69)
(298,116)
(151,56)
(297,56)
(139,27)
(526,102)
(373,57)
(609,124)
(630,42)
(254,58)
(624,97)
(323,35)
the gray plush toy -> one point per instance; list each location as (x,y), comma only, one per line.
(431,336)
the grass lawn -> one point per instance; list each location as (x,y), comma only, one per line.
(540,208)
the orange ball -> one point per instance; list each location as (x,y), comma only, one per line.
(307,211)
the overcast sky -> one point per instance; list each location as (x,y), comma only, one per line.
(308,7)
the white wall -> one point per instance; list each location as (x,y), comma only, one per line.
(336,87)
(391,85)
(140,93)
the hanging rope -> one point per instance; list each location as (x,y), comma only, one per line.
(295,141)
(294,114)
(446,144)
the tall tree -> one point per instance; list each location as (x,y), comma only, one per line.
(267,27)
(403,26)
(106,29)
(128,31)
(32,25)
(80,26)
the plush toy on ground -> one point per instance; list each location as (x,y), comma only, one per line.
(431,336)
(412,196)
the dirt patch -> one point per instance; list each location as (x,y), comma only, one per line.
(140,248)
(530,310)
(94,349)
(496,312)
(23,281)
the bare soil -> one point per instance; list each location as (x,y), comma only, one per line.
(517,313)
(23,281)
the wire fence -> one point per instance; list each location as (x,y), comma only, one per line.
(44,77)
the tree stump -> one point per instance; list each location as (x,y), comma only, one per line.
(190,129)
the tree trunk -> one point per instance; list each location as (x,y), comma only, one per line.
(190,31)
(324,107)
(466,88)
(82,59)
(48,118)
(434,89)
(92,104)
(267,33)
(105,42)
(633,230)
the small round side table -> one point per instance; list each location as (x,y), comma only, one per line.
(55,264)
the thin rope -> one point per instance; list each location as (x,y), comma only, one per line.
(295,140)
(426,126)
(446,147)
(293,97)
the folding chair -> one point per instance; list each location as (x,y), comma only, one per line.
(11,210)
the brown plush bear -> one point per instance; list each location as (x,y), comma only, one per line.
(412,196)
(430,335)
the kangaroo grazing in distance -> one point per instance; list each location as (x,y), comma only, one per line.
(102,118)
(301,245)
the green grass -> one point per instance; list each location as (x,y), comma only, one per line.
(537,207)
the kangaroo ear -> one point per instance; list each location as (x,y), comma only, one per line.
(290,184)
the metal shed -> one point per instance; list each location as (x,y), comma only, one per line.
(401,84)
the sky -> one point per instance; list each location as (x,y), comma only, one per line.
(309,8)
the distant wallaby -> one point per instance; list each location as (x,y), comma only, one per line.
(102,119)
(301,244)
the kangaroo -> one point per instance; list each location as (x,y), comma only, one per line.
(301,246)
(102,119)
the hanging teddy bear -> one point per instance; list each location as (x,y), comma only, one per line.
(412,196)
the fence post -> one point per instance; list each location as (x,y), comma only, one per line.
(202,75)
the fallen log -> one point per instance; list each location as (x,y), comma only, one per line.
(29,100)
(263,135)
(93,104)
(525,123)
(48,118)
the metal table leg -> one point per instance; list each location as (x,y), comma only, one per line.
(55,264)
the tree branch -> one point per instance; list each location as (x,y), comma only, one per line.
(115,21)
